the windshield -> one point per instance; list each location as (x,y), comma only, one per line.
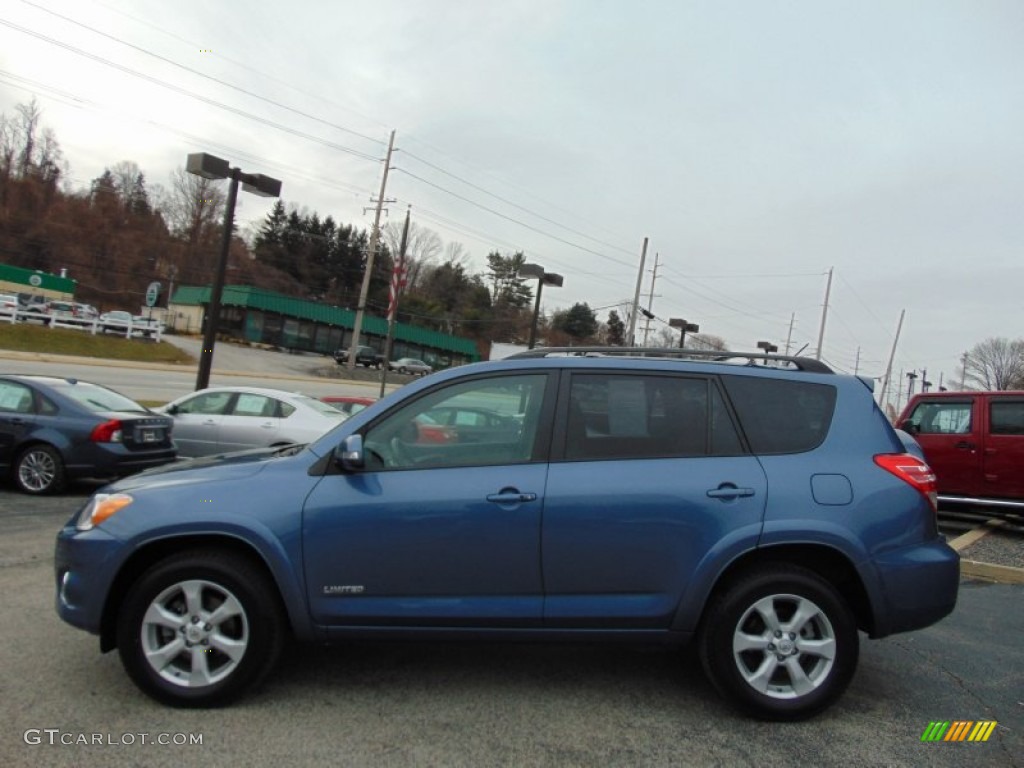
(97,398)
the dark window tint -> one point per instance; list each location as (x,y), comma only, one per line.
(1007,417)
(614,416)
(780,416)
(945,417)
(725,441)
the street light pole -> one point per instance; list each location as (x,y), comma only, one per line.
(211,167)
(213,308)
(543,278)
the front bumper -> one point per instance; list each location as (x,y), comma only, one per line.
(918,586)
(85,563)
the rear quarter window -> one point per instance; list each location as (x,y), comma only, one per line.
(780,416)
(1006,417)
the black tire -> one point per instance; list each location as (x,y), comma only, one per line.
(792,671)
(402,370)
(253,631)
(39,470)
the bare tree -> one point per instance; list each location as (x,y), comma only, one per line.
(27,123)
(994,364)
(423,246)
(706,341)
(192,205)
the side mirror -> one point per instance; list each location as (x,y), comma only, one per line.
(907,426)
(349,455)
(171,410)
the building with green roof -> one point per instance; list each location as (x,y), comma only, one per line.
(266,317)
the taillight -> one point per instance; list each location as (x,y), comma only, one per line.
(107,432)
(912,471)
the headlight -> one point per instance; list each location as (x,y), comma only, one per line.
(100,507)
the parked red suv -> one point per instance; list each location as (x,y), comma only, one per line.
(975,443)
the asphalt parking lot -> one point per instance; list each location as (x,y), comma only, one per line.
(462,705)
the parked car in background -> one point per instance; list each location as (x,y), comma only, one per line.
(9,302)
(975,443)
(410,365)
(366,356)
(119,321)
(226,419)
(765,513)
(53,430)
(85,311)
(349,404)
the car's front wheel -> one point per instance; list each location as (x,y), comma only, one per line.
(780,643)
(199,628)
(39,469)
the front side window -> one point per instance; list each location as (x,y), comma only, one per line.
(941,418)
(1006,417)
(479,422)
(624,416)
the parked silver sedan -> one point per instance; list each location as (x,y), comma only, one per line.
(225,419)
(410,365)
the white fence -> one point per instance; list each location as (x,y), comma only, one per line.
(139,327)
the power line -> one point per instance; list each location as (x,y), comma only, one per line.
(203,74)
(516,205)
(511,219)
(191,94)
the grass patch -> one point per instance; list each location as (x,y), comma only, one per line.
(67,341)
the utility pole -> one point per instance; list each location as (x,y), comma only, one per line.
(824,315)
(963,371)
(636,296)
(892,355)
(789,336)
(650,299)
(357,328)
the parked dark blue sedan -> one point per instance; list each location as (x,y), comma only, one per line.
(53,430)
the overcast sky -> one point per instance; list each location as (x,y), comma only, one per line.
(756,144)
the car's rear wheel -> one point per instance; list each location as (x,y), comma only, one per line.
(780,643)
(39,469)
(200,628)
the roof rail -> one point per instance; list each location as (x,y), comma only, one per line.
(808,364)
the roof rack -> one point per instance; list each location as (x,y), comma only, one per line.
(808,364)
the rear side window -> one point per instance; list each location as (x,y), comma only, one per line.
(780,416)
(947,417)
(624,416)
(1007,417)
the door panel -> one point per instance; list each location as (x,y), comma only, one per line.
(622,538)
(436,534)
(425,547)
(1004,449)
(950,434)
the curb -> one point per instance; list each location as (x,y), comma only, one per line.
(1002,574)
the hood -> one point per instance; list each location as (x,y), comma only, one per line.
(224,466)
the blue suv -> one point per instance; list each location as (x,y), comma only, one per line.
(759,506)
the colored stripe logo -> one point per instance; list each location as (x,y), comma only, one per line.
(958,730)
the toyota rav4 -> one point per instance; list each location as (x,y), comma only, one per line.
(765,511)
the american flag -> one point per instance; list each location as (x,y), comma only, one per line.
(397,284)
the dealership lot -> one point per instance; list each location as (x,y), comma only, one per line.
(451,704)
